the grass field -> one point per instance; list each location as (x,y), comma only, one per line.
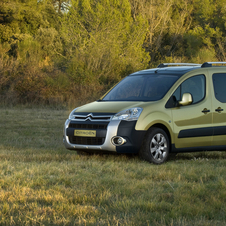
(42,183)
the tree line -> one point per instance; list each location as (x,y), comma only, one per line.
(63,51)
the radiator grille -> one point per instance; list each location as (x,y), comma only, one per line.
(87,140)
(89,121)
(88,126)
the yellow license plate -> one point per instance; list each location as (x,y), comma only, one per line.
(84,133)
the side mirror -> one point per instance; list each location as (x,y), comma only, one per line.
(186,99)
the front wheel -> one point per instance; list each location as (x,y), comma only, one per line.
(155,147)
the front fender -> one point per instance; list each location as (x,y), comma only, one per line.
(147,121)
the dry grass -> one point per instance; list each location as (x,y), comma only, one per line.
(42,183)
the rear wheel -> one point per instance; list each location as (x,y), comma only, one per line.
(155,147)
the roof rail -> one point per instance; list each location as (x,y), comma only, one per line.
(210,64)
(177,64)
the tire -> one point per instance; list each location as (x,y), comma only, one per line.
(155,147)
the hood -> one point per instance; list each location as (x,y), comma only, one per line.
(108,106)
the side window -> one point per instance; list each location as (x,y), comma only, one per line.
(195,86)
(219,81)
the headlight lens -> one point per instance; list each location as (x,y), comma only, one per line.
(128,114)
(71,116)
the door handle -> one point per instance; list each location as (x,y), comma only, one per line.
(205,111)
(219,109)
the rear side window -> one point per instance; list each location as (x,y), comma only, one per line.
(219,82)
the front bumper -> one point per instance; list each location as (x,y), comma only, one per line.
(106,146)
(114,128)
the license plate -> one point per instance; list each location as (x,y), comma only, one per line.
(85,133)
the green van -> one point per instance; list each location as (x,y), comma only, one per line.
(176,107)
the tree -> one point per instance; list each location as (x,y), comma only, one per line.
(168,21)
(22,20)
(209,23)
(61,5)
(29,41)
(102,42)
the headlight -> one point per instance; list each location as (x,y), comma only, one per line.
(71,116)
(128,114)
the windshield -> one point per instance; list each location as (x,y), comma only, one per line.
(148,87)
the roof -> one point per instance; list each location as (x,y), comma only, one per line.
(179,71)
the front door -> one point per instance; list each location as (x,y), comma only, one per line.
(193,123)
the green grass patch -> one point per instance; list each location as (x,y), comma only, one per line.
(42,183)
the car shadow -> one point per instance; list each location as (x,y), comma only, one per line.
(205,155)
(195,156)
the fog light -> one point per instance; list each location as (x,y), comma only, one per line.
(117,141)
